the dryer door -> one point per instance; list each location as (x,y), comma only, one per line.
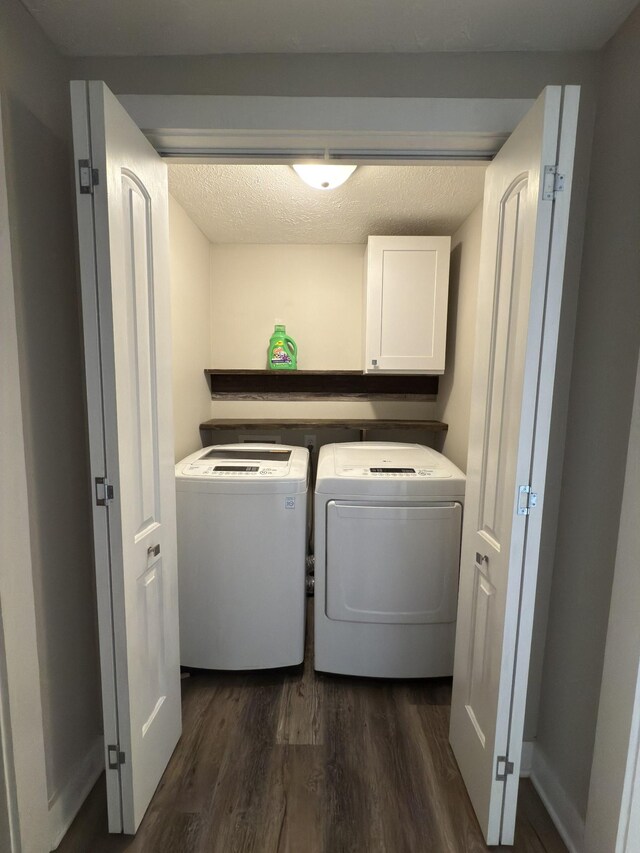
(394,563)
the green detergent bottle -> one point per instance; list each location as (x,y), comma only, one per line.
(283,352)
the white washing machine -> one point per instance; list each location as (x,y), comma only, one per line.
(388,521)
(242,516)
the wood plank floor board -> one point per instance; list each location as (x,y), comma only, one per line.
(395,767)
(196,764)
(456,817)
(431,691)
(352,824)
(169,830)
(239,797)
(533,815)
(300,714)
(293,761)
(292,819)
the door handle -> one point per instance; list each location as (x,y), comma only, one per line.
(153,550)
(481,558)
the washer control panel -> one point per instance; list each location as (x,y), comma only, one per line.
(247,463)
(206,469)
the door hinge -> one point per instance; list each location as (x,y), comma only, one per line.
(104,491)
(527,500)
(116,757)
(505,770)
(552,183)
(89,177)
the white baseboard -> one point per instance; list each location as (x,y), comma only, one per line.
(66,803)
(562,811)
(526,759)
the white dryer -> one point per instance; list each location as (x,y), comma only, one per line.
(242,517)
(388,521)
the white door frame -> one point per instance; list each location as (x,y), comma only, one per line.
(21,725)
(613,812)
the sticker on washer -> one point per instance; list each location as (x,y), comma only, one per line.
(289,503)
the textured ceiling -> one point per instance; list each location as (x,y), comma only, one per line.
(270,204)
(174,27)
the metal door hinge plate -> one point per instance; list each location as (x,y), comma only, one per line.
(89,177)
(504,768)
(104,491)
(552,183)
(115,757)
(527,500)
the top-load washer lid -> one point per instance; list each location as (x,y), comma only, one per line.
(246,463)
(386,468)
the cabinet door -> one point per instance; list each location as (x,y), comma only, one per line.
(406,290)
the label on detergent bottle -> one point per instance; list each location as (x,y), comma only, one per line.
(279,355)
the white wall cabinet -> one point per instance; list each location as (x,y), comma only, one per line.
(405,315)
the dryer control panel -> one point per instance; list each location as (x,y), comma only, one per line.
(387,468)
(378,471)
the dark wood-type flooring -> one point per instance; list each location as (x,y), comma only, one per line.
(295,762)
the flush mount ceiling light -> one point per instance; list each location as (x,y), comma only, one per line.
(323,177)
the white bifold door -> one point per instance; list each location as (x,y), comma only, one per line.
(122,205)
(526,209)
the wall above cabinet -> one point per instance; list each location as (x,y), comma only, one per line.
(315,384)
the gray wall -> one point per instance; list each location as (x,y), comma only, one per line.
(36,135)
(445,75)
(5,831)
(33,87)
(604,363)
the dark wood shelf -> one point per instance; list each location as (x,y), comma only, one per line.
(314,384)
(234,424)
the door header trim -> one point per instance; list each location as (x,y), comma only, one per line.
(225,128)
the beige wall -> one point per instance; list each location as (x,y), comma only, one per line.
(35,103)
(604,360)
(315,290)
(190,311)
(454,392)
(324,409)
